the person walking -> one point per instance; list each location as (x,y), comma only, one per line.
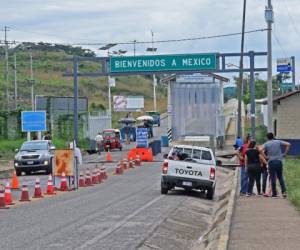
(241,156)
(99,140)
(274,155)
(254,161)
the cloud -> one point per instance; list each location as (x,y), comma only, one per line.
(127,20)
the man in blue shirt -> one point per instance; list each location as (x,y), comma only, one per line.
(274,155)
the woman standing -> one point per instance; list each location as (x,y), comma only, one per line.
(254,161)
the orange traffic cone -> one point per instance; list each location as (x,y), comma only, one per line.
(138,160)
(103,173)
(25,193)
(15,181)
(7,194)
(108,157)
(94,177)
(131,163)
(50,187)
(2,198)
(88,179)
(118,169)
(37,189)
(63,183)
(81,180)
(99,174)
(125,163)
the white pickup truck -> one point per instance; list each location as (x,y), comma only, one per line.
(189,167)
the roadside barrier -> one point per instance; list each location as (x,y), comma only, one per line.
(63,183)
(25,193)
(15,181)
(37,189)
(88,178)
(95,177)
(2,198)
(144,153)
(50,187)
(7,194)
(81,180)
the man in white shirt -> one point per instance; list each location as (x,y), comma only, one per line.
(99,140)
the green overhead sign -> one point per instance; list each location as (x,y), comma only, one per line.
(188,62)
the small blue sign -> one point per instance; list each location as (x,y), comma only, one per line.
(33,121)
(141,137)
(284,68)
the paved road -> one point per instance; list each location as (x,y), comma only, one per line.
(125,212)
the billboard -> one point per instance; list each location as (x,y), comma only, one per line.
(284,65)
(128,103)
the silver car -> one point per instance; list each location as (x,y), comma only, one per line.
(34,156)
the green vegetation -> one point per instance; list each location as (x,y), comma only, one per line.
(292,176)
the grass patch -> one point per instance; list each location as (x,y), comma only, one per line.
(292,176)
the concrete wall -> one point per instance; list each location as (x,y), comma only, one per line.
(288,117)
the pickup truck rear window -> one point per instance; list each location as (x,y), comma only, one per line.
(183,153)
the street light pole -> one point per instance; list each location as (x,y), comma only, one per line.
(269,17)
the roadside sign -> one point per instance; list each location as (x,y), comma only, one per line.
(141,137)
(284,65)
(285,86)
(187,62)
(33,121)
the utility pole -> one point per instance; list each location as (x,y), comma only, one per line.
(6,29)
(154,78)
(294,72)
(269,17)
(16,84)
(239,120)
(31,81)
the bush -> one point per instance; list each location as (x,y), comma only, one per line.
(292,177)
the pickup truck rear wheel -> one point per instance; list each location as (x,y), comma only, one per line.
(210,193)
(163,190)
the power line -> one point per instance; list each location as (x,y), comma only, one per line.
(134,42)
(175,40)
(279,43)
(291,18)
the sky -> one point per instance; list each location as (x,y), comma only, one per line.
(117,21)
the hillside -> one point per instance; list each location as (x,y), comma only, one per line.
(49,64)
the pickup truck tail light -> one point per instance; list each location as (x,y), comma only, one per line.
(165,167)
(212,174)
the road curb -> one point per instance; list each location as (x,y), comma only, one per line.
(224,236)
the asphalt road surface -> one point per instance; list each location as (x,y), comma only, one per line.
(125,212)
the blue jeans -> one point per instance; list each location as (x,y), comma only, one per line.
(244,180)
(275,168)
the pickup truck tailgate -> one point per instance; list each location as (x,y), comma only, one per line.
(189,169)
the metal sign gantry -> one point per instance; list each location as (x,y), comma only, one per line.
(220,67)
